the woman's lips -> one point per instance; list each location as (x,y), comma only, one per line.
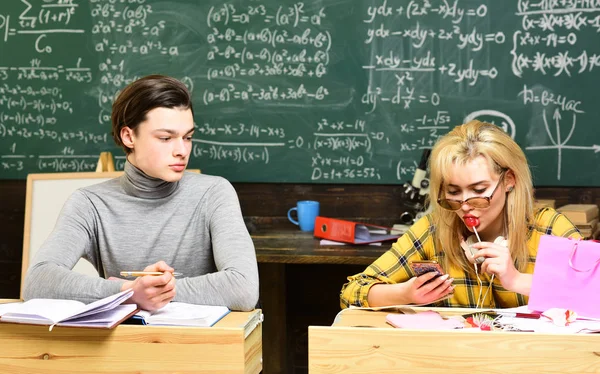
(471,221)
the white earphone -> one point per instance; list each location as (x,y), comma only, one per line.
(470,252)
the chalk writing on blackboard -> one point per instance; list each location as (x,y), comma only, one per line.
(304,91)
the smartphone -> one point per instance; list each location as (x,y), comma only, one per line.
(423,267)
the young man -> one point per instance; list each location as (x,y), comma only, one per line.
(156,217)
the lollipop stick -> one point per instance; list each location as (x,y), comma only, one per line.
(476,234)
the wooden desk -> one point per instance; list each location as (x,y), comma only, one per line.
(275,250)
(344,349)
(223,348)
(298,247)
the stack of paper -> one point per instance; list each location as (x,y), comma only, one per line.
(333,242)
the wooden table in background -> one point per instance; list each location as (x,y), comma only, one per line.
(376,347)
(297,247)
(233,345)
(274,250)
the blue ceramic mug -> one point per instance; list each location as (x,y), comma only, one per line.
(307,211)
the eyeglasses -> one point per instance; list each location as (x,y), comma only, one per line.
(479,202)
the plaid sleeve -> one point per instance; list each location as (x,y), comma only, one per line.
(550,222)
(392,266)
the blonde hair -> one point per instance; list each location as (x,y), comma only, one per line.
(460,146)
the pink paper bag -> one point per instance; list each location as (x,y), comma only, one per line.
(566,276)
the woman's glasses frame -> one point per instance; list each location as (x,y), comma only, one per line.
(478,202)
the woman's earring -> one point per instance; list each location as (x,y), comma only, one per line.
(509,189)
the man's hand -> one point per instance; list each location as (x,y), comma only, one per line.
(152,292)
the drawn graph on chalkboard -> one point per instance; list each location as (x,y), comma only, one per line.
(493,116)
(557,142)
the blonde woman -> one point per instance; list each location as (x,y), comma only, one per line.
(482,230)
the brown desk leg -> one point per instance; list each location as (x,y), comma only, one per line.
(273,300)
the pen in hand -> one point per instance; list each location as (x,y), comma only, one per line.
(534,315)
(143,273)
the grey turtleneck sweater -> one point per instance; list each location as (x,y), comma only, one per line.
(194,225)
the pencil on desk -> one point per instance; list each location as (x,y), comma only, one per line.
(143,273)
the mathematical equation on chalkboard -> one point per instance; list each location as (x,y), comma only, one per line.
(299,91)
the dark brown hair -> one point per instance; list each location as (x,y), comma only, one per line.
(143,95)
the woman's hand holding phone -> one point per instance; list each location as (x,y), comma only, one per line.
(428,288)
(429,284)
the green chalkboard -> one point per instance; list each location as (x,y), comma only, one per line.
(344,91)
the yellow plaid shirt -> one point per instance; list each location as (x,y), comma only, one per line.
(419,244)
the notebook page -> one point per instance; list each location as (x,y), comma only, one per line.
(428,320)
(50,309)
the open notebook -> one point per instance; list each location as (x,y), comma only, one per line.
(104,313)
(427,320)
(183,314)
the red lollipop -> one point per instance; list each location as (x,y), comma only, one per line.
(472,221)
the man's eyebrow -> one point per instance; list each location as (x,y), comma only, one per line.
(173,132)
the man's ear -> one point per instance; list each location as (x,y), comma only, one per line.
(127,137)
